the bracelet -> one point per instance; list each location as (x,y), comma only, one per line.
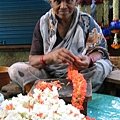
(92,60)
(41,60)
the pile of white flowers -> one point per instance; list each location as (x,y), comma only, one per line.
(42,105)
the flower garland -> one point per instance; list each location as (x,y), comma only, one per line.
(85,5)
(115,24)
(99,8)
(106,12)
(79,87)
(115,10)
(115,44)
(81,7)
(106,28)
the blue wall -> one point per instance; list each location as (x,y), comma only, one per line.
(18,19)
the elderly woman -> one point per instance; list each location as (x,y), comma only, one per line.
(61,35)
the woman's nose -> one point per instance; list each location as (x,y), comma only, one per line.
(63,4)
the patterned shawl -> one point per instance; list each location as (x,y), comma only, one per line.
(83,36)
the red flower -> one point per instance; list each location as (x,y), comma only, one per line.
(88,2)
(81,2)
(98,1)
(9,106)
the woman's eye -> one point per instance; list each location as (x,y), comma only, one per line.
(69,1)
(57,1)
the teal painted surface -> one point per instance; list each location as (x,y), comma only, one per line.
(18,19)
(104,107)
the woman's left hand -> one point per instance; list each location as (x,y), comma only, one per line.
(82,62)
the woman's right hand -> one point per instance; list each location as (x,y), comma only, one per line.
(61,55)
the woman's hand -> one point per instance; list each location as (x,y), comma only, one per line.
(82,62)
(61,55)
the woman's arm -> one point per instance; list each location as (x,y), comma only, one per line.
(36,47)
(38,59)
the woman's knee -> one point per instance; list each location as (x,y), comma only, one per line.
(14,71)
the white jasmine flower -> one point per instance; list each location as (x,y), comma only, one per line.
(42,105)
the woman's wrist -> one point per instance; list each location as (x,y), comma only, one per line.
(42,60)
(91,60)
(46,59)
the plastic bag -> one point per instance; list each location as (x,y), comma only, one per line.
(1,99)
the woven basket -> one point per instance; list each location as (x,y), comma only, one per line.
(4,77)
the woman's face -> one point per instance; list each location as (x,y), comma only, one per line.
(63,9)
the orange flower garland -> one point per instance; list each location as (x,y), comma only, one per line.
(79,87)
